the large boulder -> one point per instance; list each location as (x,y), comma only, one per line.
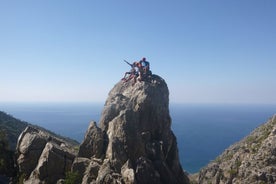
(134,142)
(43,158)
(93,144)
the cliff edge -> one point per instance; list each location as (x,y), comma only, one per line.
(134,142)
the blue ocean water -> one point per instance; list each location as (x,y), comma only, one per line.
(203,131)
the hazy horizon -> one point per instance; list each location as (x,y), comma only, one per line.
(103,102)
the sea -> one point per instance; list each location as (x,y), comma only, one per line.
(203,131)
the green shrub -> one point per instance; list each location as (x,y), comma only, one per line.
(72,178)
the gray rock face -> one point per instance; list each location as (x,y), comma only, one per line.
(252,160)
(93,144)
(41,157)
(134,142)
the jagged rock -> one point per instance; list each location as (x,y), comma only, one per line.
(93,143)
(80,164)
(145,171)
(31,143)
(91,172)
(43,158)
(128,173)
(252,160)
(134,141)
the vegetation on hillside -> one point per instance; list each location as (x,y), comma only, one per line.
(251,160)
(12,127)
(6,157)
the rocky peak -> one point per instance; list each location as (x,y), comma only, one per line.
(134,142)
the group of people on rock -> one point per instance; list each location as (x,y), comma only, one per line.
(140,70)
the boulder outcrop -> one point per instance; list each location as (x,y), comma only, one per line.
(134,142)
(252,160)
(43,158)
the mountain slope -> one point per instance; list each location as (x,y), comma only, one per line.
(12,128)
(252,160)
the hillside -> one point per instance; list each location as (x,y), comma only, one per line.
(252,160)
(13,127)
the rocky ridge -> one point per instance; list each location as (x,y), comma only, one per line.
(12,128)
(134,142)
(252,160)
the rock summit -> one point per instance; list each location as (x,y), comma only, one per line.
(134,142)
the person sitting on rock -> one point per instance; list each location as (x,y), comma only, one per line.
(145,64)
(146,68)
(140,71)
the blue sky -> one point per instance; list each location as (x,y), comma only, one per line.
(208,51)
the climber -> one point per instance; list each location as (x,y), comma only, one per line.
(146,73)
(145,64)
(131,74)
(139,69)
